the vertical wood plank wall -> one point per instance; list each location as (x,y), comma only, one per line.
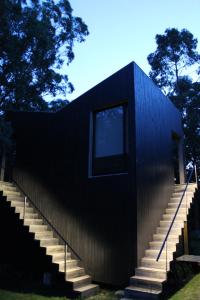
(96,215)
(156,119)
(108,220)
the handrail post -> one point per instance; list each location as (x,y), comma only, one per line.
(166,257)
(186,204)
(195,170)
(65,260)
(25,199)
(185,238)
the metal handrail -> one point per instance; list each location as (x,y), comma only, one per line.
(66,244)
(176,212)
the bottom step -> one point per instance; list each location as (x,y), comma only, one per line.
(80,281)
(142,292)
(87,290)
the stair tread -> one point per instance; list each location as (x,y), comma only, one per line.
(157,250)
(150,269)
(148,278)
(62,261)
(169,221)
(86,287)
(47,238)
(76,279)
(153,259)
(33,219)
(143,289)
(55,246)
(160,242)
(74,269)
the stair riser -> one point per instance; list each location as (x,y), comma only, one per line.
(163,255)
(180,194)
(6,183)
(29,216)
(37,228)
(175,205)
(181,190)
(91,292)
(40,235)
(49,242)
(60,256)
(82,282)
(33,222)
(130,294)
(170,211)
(150,273)
(145,283)
(21,210)
(169,217)
(8,188)
(156,265)
(169,247)
(11,193)
(166,224)
(160,237)
(54,250)
(18,204)
(175,231)
(70,265)
(75,273)
(177,201)
(15,198)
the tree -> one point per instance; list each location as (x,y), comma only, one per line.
(56,105)
(36,40)
(175,53)
(174,58)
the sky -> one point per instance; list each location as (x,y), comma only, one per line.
(121,32)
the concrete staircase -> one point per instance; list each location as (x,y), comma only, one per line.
(75,276)
(151,276)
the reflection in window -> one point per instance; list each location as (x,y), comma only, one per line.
(109,132)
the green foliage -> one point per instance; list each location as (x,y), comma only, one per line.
(5,295)
(175,53)
(36,40)
(56,105)
(171,63)
(190,291)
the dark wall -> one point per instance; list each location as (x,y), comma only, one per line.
(156,120)
(96,215)
(103,218)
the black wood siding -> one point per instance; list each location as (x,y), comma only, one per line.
(96,215)
(156,119)
(105,219)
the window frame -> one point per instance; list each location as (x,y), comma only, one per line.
(113,164)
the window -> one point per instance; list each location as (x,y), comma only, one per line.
(110,140)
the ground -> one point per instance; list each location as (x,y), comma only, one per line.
(191,291)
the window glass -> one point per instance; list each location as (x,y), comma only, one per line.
(109,132)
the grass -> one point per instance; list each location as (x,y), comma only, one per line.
(191,291)
(11,295)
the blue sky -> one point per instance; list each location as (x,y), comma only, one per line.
(121,32)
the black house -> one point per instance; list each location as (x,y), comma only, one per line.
(102,169)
